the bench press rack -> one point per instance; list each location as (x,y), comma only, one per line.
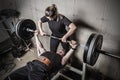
(69,67)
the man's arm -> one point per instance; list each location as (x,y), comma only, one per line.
(38,43)
(73,45)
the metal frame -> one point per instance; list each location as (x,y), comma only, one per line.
(69,67)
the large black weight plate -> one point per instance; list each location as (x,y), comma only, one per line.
(95,44)
(22,26)
(87,47)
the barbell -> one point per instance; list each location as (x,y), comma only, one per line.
(25,30)
(22,29)
(92,49)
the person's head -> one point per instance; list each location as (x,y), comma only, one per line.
(61,52)
(51,11)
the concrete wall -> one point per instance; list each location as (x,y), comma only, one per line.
(99,16)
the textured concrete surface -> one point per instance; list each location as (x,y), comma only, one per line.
(90,16)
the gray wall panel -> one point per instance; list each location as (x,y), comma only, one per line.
(101,16)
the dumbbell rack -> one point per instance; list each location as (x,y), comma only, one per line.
(69,67)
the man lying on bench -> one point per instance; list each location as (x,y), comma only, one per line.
(47,63)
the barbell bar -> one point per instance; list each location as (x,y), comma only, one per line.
(25,29)
(109,54)
(92,49)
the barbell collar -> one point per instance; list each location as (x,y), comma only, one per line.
(30,30)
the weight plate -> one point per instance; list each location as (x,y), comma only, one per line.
(95,44)
(87,47)
(22,26)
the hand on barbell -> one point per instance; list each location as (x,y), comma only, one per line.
(73,44)
(64,39)
(43,33)
(36,32)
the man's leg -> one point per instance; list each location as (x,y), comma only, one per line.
(37,75)
(19,74)
(36,71)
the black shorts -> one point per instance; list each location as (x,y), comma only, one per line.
(34,70)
